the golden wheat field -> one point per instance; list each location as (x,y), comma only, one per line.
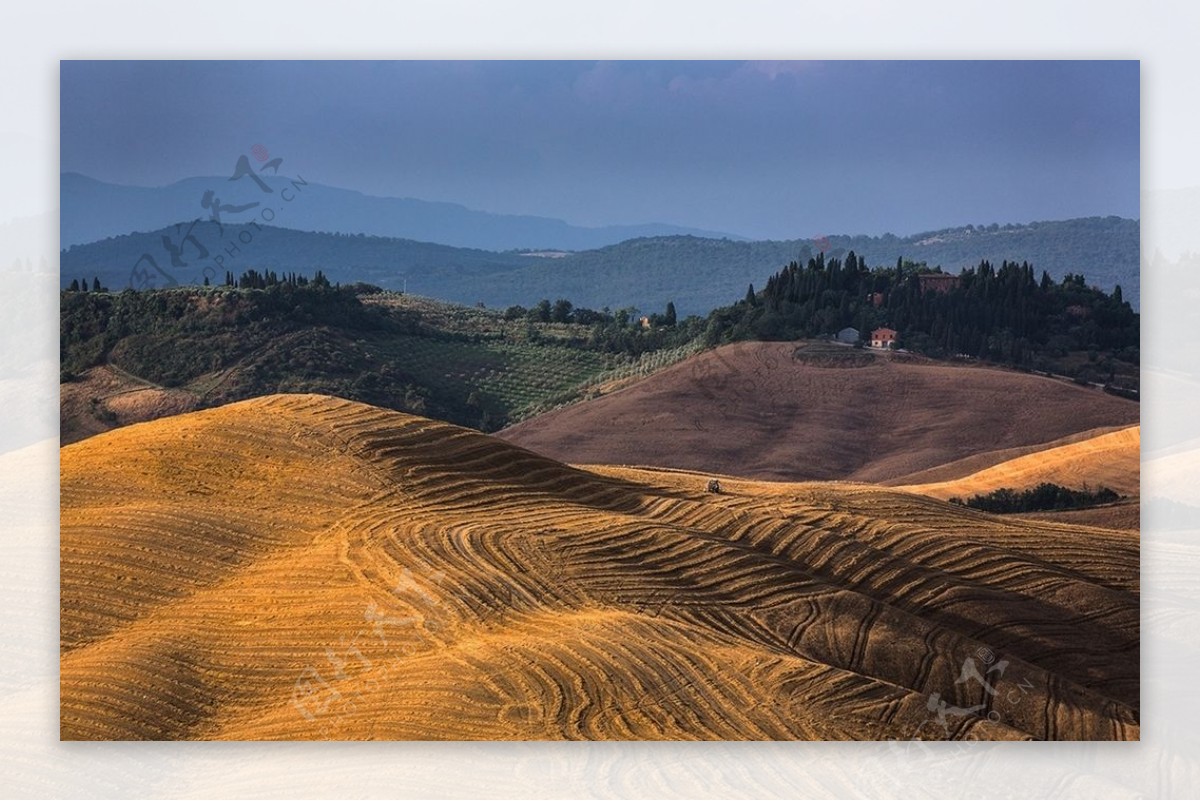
(302,567)
(1105,460)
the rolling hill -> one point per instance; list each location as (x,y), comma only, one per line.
(960,468)
(1110,460)
(1090,460)
(765,410)
(300,567)
(133,356)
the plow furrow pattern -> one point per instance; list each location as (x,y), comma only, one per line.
(301,567)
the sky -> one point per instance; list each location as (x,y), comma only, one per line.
(778,150)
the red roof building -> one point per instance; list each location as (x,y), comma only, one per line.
(883,338)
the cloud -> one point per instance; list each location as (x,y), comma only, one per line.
(773,69)
(742,77)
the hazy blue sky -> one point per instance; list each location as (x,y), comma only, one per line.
(763,149)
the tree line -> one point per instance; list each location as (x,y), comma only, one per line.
(1044,497)
(82,286)
(1004,314)
(625,330)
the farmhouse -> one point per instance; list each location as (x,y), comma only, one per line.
(938,282)
(883,338)
(847,335)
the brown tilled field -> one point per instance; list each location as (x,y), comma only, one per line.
(1124,514)
(103,398)
(753,410)
(300,567)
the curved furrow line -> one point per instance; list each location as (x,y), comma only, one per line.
(899,577)
(461,452)
(891,634)
(1090,556)
(1081,561)
(985,602)
(150,693)
(928,550)
(649,695)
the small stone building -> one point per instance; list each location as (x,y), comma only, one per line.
(937,282)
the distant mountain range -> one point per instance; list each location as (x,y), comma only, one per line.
(697,274)
(93,210)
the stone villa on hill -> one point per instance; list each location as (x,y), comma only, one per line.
(938,282)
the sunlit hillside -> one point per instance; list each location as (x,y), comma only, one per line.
(302,567)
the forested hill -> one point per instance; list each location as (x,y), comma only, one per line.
(256,333)
(702,274)
(697,274)
(1007,313)
(208,249)
(130,356)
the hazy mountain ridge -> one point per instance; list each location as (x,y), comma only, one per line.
(697,274)
(429,269)
(702,274)
(93,210)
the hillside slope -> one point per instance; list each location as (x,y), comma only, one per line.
(1110,460)
(299,567)
(756,409)
(961,468)
(134,356)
